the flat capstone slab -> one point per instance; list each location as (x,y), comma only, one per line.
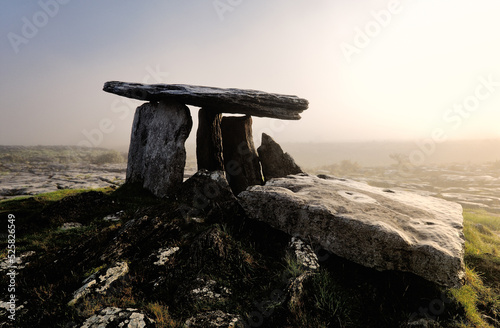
(236,101)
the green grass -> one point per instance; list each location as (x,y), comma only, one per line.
(330,298)
(479,297)
(490,220)
(59,154)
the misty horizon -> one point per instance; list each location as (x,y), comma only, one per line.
(375,71)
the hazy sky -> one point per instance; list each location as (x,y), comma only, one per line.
(371,70)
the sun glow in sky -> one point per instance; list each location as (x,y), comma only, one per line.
(371,70)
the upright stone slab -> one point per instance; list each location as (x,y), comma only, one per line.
(240,157)
(157,154)
(209,141)
(275,163)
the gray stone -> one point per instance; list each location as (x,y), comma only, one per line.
(206,194)
(384,230)
(157,154)
(304,254)
(70,225)
(116,317)
(237,101)
(164,255)
(240,157)
(214,319)
(275,163)
(100,281)
(209,141)
(206,290)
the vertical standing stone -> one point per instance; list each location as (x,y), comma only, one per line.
(157,154)
(240,157)
(275,163)
(209,141)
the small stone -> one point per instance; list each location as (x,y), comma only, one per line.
(114,217)
(304,254)
(100,282)
(116,317)
(70,226)
(214,319)
(164,254)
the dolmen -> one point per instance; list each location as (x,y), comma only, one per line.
(157,154)
(378,228)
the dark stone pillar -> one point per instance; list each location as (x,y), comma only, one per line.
(209,141)
(240,157)
(157,155)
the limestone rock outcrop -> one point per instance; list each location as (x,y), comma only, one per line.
(157,153)
(116,317)
(378,228)
(275,163)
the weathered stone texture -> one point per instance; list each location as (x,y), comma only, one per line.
(378,228)
(275,163)
(237,101)
(157,154)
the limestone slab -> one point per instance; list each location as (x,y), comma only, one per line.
(237,101)
(378,228)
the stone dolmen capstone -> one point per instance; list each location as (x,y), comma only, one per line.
(236,101)
(157,151)
(378,228)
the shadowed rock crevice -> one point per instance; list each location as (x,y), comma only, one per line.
(240,157)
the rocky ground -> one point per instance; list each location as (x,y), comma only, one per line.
(471,185)
(119,257)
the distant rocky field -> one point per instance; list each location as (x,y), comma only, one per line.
(26,171)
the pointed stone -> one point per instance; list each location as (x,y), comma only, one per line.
(157,153)
(275,163)
(209,141)
(240,157)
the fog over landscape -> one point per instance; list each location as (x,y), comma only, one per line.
(264,163)
(419,72)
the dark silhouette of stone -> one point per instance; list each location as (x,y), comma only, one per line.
(157,154)
(275,163)
(209,141)
(240,157)
(237,101)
